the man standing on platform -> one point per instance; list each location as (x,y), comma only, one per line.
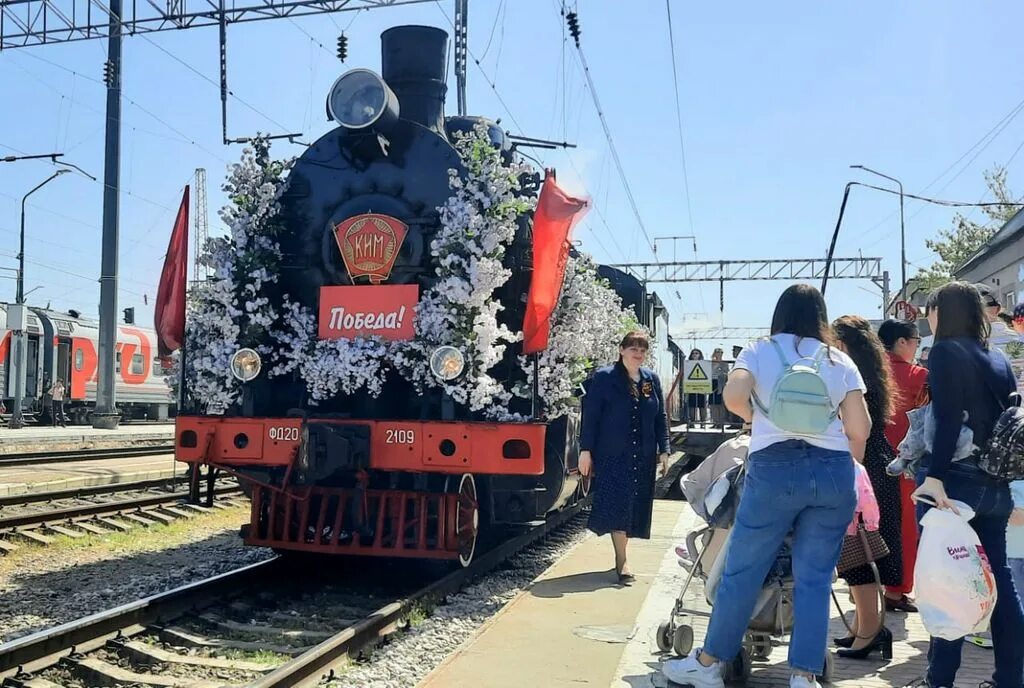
(57,404)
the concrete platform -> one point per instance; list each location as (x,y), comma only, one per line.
(42,438)
(51,477)
(575,627)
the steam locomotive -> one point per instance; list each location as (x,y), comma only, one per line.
(410,472)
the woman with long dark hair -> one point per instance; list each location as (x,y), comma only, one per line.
(901,341)
(623,438)
(797,482)
(966,375)
(857,340)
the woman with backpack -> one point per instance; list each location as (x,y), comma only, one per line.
(862,345)
(806,400)
(966,375)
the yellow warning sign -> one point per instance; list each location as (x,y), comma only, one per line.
(697,377)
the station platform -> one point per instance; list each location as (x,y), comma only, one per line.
(77,437)
(575,626)
(70,475)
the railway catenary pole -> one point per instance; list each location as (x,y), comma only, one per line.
(903,229)
(19,318)
(105,414)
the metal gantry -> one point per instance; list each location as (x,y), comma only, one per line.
(724,333)
(36,22)
(772,269)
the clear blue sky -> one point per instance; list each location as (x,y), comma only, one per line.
(777,101)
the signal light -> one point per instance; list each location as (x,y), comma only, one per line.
(129,316)
(342,47)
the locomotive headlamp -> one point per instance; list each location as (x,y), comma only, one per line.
(447,363)
(360,99)
(246,364)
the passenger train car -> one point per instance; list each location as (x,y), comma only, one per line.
(64,346)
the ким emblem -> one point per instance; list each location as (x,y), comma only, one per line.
(369,245)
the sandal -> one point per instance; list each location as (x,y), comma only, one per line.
(626,578)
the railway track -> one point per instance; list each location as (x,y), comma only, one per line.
(38,458)
(268,625)
(37,518)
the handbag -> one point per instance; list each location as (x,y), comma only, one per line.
(866,547)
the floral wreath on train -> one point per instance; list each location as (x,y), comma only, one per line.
(234,309)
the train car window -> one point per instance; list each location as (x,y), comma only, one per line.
(137,364)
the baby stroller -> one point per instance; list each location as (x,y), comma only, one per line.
(713,491)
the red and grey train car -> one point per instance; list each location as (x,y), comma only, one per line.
(407,473)
(64,346)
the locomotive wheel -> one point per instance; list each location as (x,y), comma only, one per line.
(467,519)
(664,637)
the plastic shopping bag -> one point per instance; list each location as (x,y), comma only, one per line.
(954,586)
(867,504)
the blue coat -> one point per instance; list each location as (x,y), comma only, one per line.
(607,412)
(624,436)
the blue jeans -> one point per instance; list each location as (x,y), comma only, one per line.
(790,487)
(990,499)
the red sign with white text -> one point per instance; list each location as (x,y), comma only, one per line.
(383,311)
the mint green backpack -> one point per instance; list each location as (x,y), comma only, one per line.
(800,402)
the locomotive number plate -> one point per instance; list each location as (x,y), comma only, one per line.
(284,434)
(399,436)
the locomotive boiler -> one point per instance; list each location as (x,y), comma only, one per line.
(409,472)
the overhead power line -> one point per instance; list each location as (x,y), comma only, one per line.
(573,22)
(679,112)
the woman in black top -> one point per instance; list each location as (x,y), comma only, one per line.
(856,338)
(964,374)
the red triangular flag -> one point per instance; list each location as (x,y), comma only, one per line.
(169,313)
(556,213)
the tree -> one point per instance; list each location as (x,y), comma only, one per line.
(959,243)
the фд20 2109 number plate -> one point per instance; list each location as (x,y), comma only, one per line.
(399,436)
(283,433)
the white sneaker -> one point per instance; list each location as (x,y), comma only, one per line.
(689,672)
(803,682)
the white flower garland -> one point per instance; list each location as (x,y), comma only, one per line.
(230,310)
(478,222)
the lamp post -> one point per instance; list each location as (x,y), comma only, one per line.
(903,235)
(20,358)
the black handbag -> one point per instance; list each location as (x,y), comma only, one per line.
(1002,457)
(866,547)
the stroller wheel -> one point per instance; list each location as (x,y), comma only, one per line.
(829,671)
(664,638)
(738,670)
(682,640)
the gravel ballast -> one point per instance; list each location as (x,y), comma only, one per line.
(410,656)
(41,587)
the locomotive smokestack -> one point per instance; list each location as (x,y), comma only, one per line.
(414,63)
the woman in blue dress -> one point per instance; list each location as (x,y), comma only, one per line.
(623,439)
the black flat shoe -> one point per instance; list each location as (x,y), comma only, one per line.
(882,642)
(846,642)
(904,604)
(626,578)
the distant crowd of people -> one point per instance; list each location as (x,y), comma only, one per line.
(806,434)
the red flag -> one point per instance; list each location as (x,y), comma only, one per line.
(170,296)
(556,213)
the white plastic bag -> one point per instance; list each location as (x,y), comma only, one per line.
(953,582)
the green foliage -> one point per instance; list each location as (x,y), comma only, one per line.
(959,243)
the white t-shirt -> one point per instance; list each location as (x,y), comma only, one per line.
(838,371)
